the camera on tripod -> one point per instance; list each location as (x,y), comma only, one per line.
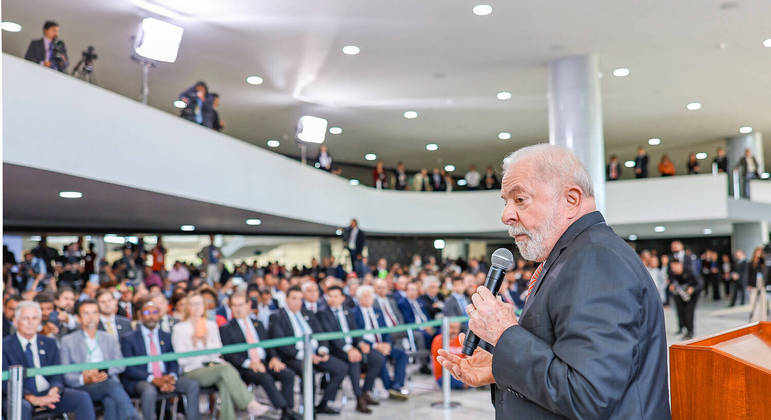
(59,55)
(85,67)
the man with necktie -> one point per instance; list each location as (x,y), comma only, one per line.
(109,320)
(415,313)
(31,350)
(49,51)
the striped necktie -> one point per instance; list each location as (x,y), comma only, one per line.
(533,280)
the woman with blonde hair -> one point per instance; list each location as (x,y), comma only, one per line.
(195,332)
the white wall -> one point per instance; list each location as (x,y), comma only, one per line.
(760,191)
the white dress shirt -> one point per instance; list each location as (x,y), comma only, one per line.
(385,306)
(40,382)
(344,327)
(299,327)
(157,342)
(370,323)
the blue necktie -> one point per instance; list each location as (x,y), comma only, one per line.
(30,363)
(199,115)
(462,304)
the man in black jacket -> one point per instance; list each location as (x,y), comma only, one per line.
(258,366)
(49,51)
(355,239)
(685,288)
(292,321)
(739,277)
(351,349)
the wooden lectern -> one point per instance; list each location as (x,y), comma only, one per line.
(723,376)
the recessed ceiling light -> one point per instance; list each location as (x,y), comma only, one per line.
(701,155)
(70,194)
(187,228)
(633,237)
(351,50)
(659,229)
(335,130)
(745,130)
(338,232)
(11,27)
(370,156)
(353,181)
(767,43)
(693,106)
(629,164)
(180,104)
(765,175)
(654,141)
(254,80)
(431,147)
(482,9)
(504,96)
(504,135)
(462,182)
(410,115)
(439,244)
(621,72)
(708,231)
(273,143)
(253,222)
(449,168)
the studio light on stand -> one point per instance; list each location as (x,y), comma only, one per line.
(155,41)
(310,130)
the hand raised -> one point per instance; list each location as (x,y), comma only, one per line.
(476,370)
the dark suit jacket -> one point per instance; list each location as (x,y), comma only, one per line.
(358,316)
(330,323)
(281,326)
(409,313)
(123,325)
(37,52)
(231,333)
(428,305)
(451,307)
(48,352)
(133,344)
(590,342)
(360,239)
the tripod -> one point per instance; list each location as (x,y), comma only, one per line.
(84,71)
(760,305)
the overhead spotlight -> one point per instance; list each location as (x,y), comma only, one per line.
(629,164)
(253,222)
(432,147)
(410,115)
(708,231)
(439,243)
(621,72)
(462,182)
(504,135)
(659,229)
(353,181)
(70,194)
(187,228)
(745,130)
(11,27)
(701,155)
(654,141)
(273,143)
(504,96)
(767,43)
(693,106)
(254,80)
(633,237)
(158,40)
(351,50)
(765,175)
(180,104)
(312,129)
(339,232)
(482,9)
(449,168)
(335,130)
(370,156)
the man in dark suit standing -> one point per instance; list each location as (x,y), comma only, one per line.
(292,321)
(739,277)
(258,366)
(355,240)
(32,350)
(49,50)
(641,163)
(590,342)
(149,380)
(351,349)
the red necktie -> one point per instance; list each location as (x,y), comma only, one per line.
(387,309)
(373,320)
(154,352)
(533,279)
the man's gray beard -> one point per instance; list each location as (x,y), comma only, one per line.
(534,247)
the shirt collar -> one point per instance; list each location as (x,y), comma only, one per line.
(146,330)
(23,341)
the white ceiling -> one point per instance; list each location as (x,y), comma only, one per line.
(436,57)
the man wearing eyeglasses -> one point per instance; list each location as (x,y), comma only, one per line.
(149,380)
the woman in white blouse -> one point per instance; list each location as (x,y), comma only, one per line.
(195,332)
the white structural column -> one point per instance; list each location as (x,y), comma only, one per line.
(575,115)
(750,235)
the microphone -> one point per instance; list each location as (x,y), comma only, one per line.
(501,261)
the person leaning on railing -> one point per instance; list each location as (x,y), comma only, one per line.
(195,332)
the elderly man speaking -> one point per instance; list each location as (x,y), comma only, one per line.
(590,342)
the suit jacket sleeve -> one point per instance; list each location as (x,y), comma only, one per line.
(55,359)
(228,334)
(406,310)
(113,353)
(34,53)
(70,378)
(136,372)
(277,331)
(596,325)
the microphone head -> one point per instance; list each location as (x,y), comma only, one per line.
(502,258)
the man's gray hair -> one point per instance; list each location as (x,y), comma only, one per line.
(364,289)
(556,164)
(27,304)
(429,280)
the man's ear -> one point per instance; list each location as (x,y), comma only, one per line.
(573,200)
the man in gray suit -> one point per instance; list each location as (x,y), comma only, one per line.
(91,345)
(590,342)
(391,313)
